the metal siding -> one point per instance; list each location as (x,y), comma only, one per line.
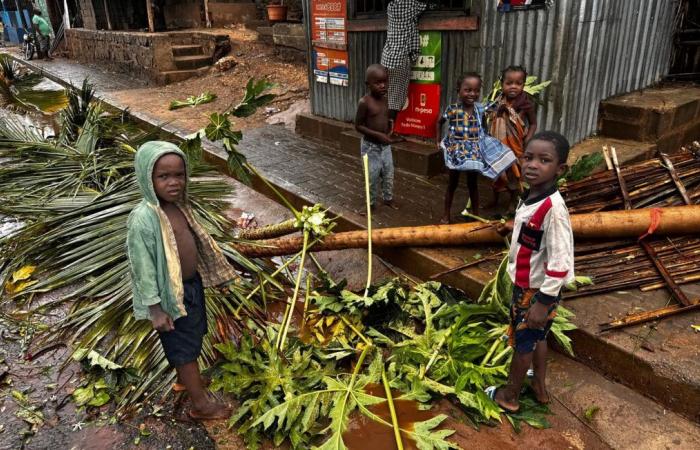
(590,49)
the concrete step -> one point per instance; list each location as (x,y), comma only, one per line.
(174,76)
(412,156)
(667,115)
(192,62)
(187,50)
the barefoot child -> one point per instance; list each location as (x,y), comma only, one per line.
(467,147)
(540,263)
(372,120)
(172,258)
(512,121)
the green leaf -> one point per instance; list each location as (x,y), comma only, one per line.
(100,398)
(83,396)
(193,101)
(427,438)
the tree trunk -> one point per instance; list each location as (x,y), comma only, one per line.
(611,225)
(269,231)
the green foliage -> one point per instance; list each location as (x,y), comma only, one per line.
(254,97)
(192,101)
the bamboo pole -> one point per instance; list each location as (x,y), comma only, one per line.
(679,220)
(149,11)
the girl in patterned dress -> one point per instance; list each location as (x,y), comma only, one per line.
(467,147)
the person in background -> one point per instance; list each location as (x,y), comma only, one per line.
(513,121)
(467,147)
(42,30)
(401,50)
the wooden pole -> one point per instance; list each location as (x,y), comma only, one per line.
(109,21)
(206,13)
(149,11)
(609,225)
(66,15)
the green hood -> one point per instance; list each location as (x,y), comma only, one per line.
(145,161)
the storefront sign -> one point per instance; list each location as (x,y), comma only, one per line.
(422,112)
(423,104)
(328,23)
(331,66)
(427,68)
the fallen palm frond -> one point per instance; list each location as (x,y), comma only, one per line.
(74,194)
(192,101)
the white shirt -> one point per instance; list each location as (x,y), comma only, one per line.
(542,252)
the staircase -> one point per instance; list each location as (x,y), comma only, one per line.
(189,60)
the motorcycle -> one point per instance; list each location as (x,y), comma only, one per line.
(28,46)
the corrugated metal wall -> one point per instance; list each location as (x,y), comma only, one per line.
(590,49)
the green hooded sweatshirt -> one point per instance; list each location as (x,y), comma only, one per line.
(156,275)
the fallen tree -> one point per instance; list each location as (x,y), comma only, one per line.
(680,220)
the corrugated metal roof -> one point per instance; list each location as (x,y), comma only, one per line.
(590,49)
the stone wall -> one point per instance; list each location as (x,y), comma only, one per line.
(142,54)
(290,35)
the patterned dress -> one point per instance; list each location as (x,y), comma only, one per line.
(467,146)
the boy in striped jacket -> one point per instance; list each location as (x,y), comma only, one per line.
(540,263)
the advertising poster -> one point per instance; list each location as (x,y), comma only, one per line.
(422,108)
(422,112)
(328,23)
(321,64)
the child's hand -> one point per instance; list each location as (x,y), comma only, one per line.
(536,316)
(394,138)
(160,320)
(504,228)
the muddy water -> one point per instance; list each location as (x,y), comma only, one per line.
(364,433)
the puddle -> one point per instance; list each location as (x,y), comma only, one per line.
(364,433)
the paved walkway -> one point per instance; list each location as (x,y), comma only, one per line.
(311,170)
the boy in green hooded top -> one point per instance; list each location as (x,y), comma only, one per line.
(172,259)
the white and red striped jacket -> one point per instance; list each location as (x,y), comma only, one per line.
(542,252)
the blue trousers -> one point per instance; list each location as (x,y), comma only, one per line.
(381,169)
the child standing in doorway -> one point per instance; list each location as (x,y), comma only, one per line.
(372,121)
(467,147)
(512,120)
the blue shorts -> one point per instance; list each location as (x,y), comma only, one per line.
(520,337)
(184,344)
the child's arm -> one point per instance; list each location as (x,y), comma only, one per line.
(560,263)
(532,125)
(143,275)
(438,131)
(361,120)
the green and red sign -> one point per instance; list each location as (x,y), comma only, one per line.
(422,107)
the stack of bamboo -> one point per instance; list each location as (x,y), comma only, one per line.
(649,184)
(623,265)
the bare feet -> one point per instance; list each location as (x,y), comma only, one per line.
(210,411)
(391,204)
(538,387)
(509,405)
